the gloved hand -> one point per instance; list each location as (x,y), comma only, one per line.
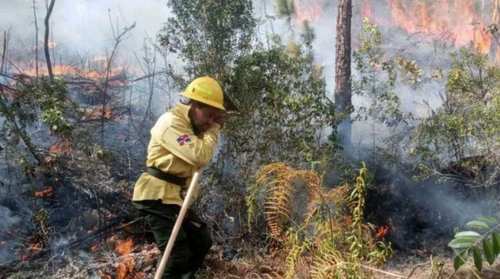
(221,117)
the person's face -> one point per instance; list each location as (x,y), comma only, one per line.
(204,117)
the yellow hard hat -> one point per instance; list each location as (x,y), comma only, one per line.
(205,90)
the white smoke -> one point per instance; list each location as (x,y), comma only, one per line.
(84,26)
(7,246)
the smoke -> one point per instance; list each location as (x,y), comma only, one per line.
(426,209)
(84,26)
(7,246)
(8,220)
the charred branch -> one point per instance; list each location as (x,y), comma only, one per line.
(118,39)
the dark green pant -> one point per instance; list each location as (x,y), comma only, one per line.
(192,243)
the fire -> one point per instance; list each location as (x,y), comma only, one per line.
(45,193)
(68,70)
(126,265)
(382,231)
(458,22)
(307,10)
(35,248)
(32,248)
(124,247)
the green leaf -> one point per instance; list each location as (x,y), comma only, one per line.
(478,259)
(479,225)
(467,234)
(461,243)
(488,220)
(488,250)
(458,261)
(495,237)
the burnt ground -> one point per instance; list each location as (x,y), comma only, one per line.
(92,235)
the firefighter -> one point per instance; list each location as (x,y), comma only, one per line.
(182,141)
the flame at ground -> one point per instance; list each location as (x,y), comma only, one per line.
(459,22)
(127,263)
(382,231)
(46,192)
(68,70)
(124,247)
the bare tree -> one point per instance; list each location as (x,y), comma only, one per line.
(118,38)
(46,39)
(343,101)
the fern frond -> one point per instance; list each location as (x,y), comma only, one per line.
(326,262)
(279,183)
(295,249)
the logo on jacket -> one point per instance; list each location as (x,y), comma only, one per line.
(183,139)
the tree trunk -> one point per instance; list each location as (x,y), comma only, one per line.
(4,52)
(46,39)
(495,25)
(343,104)
(36,38)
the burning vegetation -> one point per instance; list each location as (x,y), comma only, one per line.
(460,23)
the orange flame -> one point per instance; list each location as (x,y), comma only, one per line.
(456,21)
(382,231)
(47,192)
(124,247)
(35,247)
(68,70)
(126,266)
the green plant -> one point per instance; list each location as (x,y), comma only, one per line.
(51,98)
(376,77)
(31,101)
(330,228)
(208,36)
(467,125)
(283,102)
(481,242)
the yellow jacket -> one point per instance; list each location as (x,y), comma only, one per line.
(174,149)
